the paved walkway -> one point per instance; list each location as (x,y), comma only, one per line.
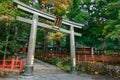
(44,71)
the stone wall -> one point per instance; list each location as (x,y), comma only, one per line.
(99,68)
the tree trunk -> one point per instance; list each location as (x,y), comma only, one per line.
(68,44)
(103,46)
(57,46)
(6,45)
(45,48)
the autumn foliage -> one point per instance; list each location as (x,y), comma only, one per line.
(60,6)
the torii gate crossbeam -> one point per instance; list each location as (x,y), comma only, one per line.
(29,21)
(32,40)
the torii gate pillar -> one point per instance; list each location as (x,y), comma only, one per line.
(72,50)
(31,47)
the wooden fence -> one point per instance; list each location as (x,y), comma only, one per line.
(83,57)
(13,64)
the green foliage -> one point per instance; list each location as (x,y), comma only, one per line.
(87,2)
(67,60)
(74,10)
(108,52)
(81,17)
(40,35)
(62,63)
(114,5)
(67,67)
(2,51)
(82,69)
(14,47)
(7,8)
(10,29)
(55,36)
(54,60)
(102,22)
(115,34)
(112,30)
(59,64)
(9,42)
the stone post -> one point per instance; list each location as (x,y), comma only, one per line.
(31,47)
(72,50)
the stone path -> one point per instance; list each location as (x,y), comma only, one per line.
(42,67)
(44,71)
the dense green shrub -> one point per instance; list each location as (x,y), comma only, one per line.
(61,63)
(54,60)
(109,52)
(67,67)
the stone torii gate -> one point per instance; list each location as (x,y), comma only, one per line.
(32,40)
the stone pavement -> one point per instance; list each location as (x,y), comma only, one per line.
(44,71)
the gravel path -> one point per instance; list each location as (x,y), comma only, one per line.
(44,71)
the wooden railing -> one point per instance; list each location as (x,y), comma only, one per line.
(83,57)
(13,64)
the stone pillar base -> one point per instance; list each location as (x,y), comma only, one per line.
(73,70)
(28,70)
